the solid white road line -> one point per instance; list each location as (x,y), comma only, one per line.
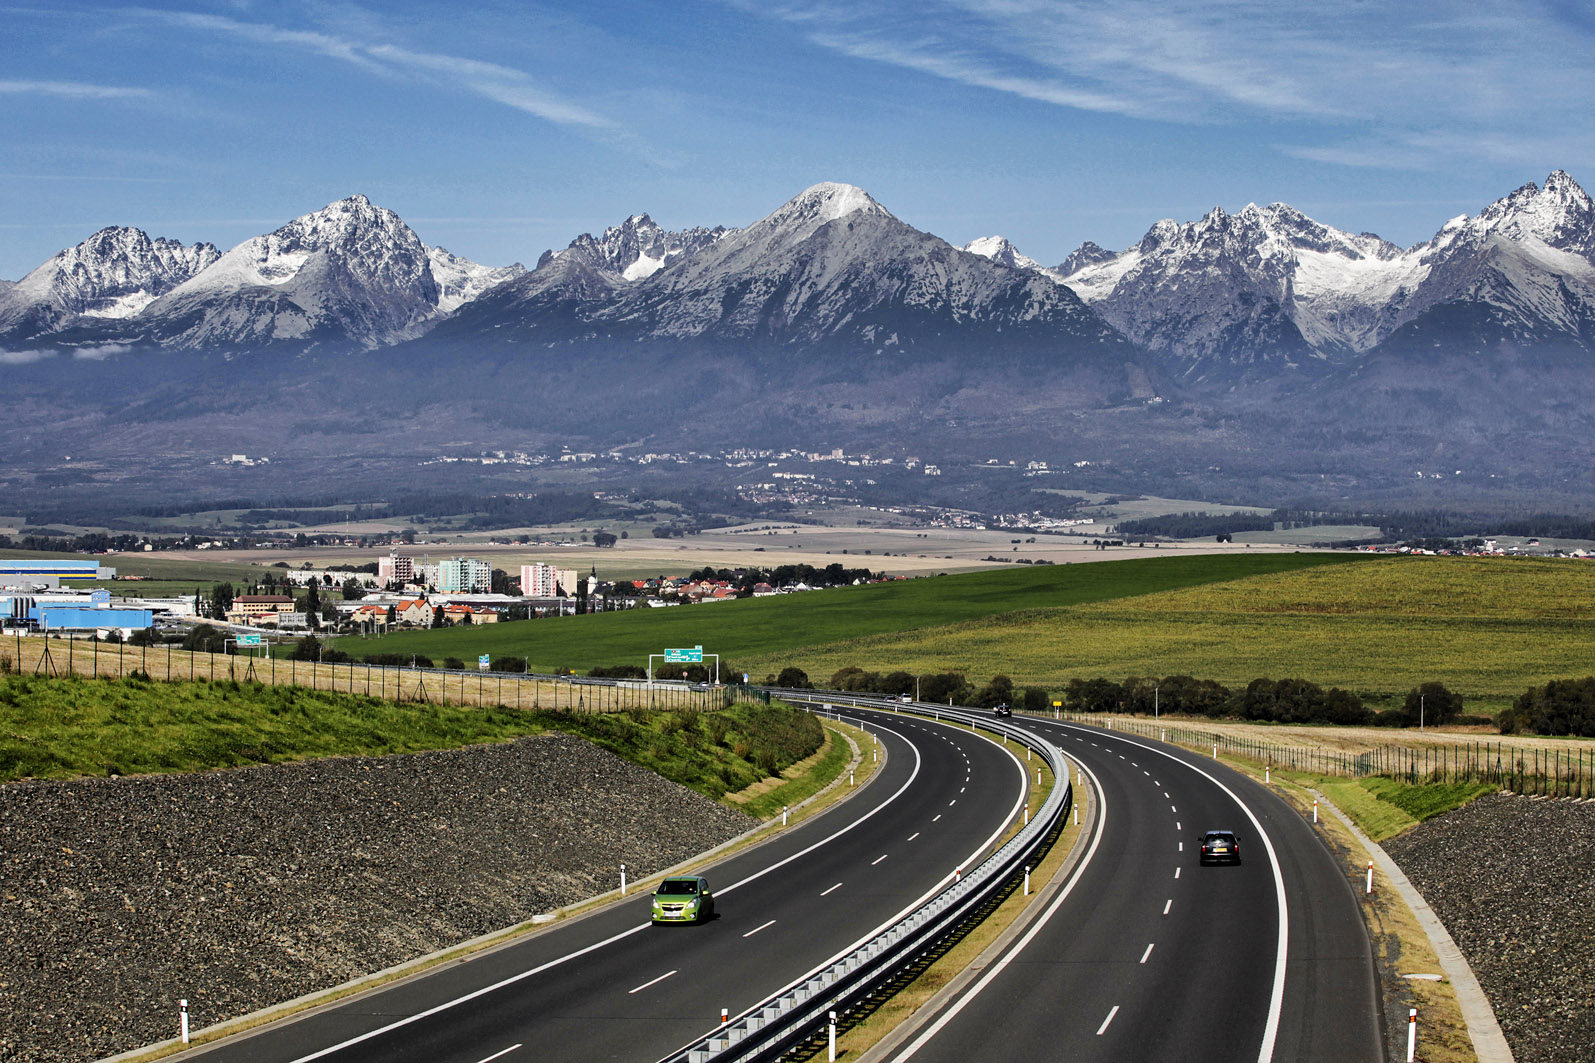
(756,929)
(833,889)
(1147,954)
(1104,1027)
(1029,935)
(501,1052)
(645,985)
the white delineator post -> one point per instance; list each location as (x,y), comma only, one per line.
(622,880)
(1412,1033)
(1215,752)
(1315,810)
(831,1054)
(783,815)
(182,1020)
(1268,774)
(1370,878)
(725,1016)
(1027,880)
(850,778)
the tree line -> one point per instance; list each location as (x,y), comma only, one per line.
(1264,700)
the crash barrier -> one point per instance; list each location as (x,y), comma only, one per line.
(1521,768)
(804,1007)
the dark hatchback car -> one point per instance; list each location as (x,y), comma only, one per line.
(1220,846)
(1002,710)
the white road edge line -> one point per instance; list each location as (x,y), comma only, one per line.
(501,1052)
(645,985)
(756,929)
(1265,1050)
(639,928)
(1104,1027)
(1148,953)
(1035,928)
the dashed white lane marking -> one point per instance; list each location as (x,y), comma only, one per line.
(961,789)
(1176,872)
(1147,954)
(1174,810)
(501,1052)
(756,929)
(838,886)
(1104,1027)
(1165,793)
(645,985)
(1182,847)
(1176,824)
(914,835)
(1167,905)
(953,802)
(938,816)
(1146,773)
(878,859)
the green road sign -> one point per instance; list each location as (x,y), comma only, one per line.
(249,640)
(684,656)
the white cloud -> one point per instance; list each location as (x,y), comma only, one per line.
(501,84)
(101,352)
(73,90)
(24,357)
(1358,84)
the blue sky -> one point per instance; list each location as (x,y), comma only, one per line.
(498,130)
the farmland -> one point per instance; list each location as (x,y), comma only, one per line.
(1486,627)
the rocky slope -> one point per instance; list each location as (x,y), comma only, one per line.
(240,889)
(1513,879)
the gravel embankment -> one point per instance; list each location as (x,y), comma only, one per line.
(1513,879)
(240,889)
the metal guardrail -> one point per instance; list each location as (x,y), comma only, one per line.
(802,1008)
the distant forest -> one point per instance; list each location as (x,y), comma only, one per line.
(1425,525)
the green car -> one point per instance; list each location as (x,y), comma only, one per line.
(683,900)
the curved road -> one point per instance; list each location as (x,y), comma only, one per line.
(1148,956)
(609,986)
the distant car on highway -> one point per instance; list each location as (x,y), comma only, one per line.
(1220,846)
(1002,710)
(683,899)
(905,699)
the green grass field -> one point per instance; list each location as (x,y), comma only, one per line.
(767,633)
(63,727)
(1487,628)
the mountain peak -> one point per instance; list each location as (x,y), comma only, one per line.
(1002,251)
(828,201)
(1561,214)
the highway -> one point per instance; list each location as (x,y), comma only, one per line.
(610,986)
(1146,955)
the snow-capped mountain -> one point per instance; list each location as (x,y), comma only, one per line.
(1001,250)
(833,266)
(114,274)
(638,247)
(1270,286)
(350,274)
(460,280)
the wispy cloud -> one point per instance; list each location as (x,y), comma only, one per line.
(24,357)
(74,90)
(492,81)
(99,353)
(1369,82)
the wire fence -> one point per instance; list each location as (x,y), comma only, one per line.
(509,690)
(1523,769)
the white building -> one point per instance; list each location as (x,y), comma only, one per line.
(395,567)
(539,580)
(464,574)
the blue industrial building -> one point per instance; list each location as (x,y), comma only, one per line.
(50,572)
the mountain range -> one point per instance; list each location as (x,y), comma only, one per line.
(1239,337)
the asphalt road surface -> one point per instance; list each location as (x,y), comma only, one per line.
(1149,956)
(610,986)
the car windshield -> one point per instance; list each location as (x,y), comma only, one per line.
(678,885)
(1220,839)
